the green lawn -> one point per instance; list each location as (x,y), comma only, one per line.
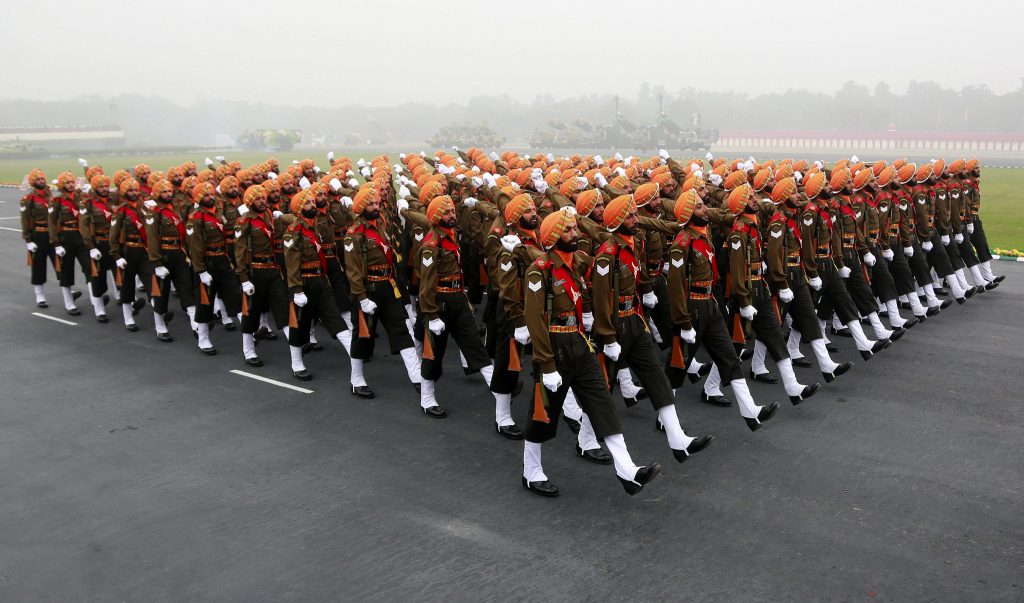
(1002,190)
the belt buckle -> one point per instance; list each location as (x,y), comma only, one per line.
(627,305)
(570,321)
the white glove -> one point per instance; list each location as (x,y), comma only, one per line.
(365,172)
(456,149)
(612,350)
(86,187)
(552,381)
(330,155)
(927,245)
(368,306)
(959,238)
(460,177)
(944,239)
(161,272)
(494,156)
(59,250)
(786,295)
(688,335)
(361,163)
(402,205)
(469,201)
(815,283)
(887,254)
(436,326)
(569,211)
(709,156)
(316,169)
(149,203)
(353,183)
(31,246)
(550,157)
(304,183)
(583,181)
(869,259)
(620,171)
(94,253)
(272,175)
(618,156)
(82,162)
(335,184)
(403,192)
(300,299)
(970,227)
(219,158)
(522,335)
(295,162)
(396,168)
(248,288)
(510,242)
(488,178)
(908,251)
(844,272)
(347,201)
(541,186)
(650,299)
(206,278)
(208,162)
(663,154)
(277,214)
(748,312)
(588,321)
(476,182)
(243,209)
(121,263)
(598,160)
(600,180)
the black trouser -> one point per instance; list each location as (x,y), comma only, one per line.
(661,314)
(641,354)
(74,249)
(504,381)
(180,274)
(766,325)
(708,322)
(980,241)
(224,284)
(967,253)
(495,323)
(938,258)
(138,265)
(576,363)
(319,306)
(883,284)
(455,312)
(899,268)
(833,297)
(953,251)
(857,285)
(472,267)
(270,295)
(391,313)
(40,255)
(339,285)
(801,309)
(919,265)
(105,264)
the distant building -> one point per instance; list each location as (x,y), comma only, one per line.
(882,140)
(56,138)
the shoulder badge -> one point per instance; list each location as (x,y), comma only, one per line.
(150,220)
(349,246)
(535,285)
(505,266)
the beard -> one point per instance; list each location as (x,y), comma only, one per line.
(447,223)
(567,246)
(698,221)
(371,215)
(530,224)
(627,231)
(39,185)
(209,202)
(309,213)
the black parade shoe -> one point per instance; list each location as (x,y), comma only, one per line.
(767,412)
(643,476)
(809,391)
(841,369)
(698,444)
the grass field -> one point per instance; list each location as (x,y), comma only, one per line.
(1002,189)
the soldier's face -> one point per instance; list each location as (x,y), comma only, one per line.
(629,224)
(103,191)
(570,239)
(39,183)
(176,181)
(751,204)
(700,214)
(372,210)
(166,196)
(207,200)
(598,213)
(655,203)
(132,195)
(69,186)
(142,176)
(259,205)
(448,218)
(530,218)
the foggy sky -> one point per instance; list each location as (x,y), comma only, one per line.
(386,52)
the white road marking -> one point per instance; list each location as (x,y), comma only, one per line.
(10,218)
(60,320)
(272,382)
(10,229)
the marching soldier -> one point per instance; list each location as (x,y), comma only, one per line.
(35,231)
(65,239)
(128,248)
(925,211)
(894,208)
(563,358)
(165,242)
(913,246)
(95,214)
(961,192)
(975,227)
(214,276)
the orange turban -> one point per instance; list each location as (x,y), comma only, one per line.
(617,210)
(761,178)
(142,168)
(877,167)
(298,200)
(99,181)
(201,190)
(517,206)
(972,164)
(226,183)
(523,177)
(862,178)
(924,172)
(188,184)
(735,179)
(738,198)
(430,190)
(587,201)
(305,164)
(161,186)
(365,194)
(271,186)
(840,178)
(906,172)
(127,184)
(645,193)
(438,206)
(662,179)
(36,174)
(693,182)
(175,171)
(253,194)
(91,171)
(554,225)
(957,166)
(938,166)
(814,184)
(785,171)
(620,182)
(153,178)
(243,175)
(885,176)
(63,178)
(783,189)
(684,206)
(570,186)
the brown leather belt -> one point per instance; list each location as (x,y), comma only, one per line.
(263,265)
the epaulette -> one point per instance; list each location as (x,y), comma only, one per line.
(542,263)
(607,247)
(778,216)
(293,227)
(430,240)
(683,239)
(358,228)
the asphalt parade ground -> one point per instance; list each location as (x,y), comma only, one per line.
(137,470)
